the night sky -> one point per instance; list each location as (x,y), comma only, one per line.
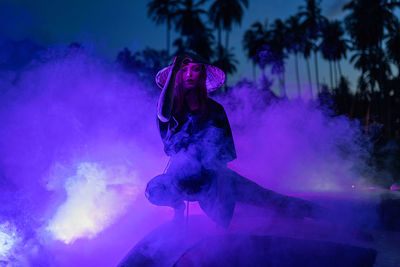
(106,27)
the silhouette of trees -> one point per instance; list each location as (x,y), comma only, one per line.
(266,46)
(393,45)
(278,45)
(312,21)
(342,97)
(295,42)
(188,19)
(253,41)
(365,24)
(127,60)
(144,64)
(306,51)
(372,42)
(226,61)
(195,34)
(224,13)
(185,15)
(369,34)
(368,22)
(161,11)
(333,46)
(372,34)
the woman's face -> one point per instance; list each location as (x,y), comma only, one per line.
(191,73)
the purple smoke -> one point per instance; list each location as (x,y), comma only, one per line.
(79,142)
(295,146)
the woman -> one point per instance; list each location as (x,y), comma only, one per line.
(197,136)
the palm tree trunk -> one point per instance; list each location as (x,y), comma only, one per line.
(168,35)
(386,97)
(297,75)
(316,70)
(330,74)
(227,40)
(398,71)
(340,69)
(254,71)
(389,115)
(353,105)
(309,76)
(367,116)
(219,36)
(335,73)
(283,89)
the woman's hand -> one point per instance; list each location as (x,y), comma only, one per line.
(178,61)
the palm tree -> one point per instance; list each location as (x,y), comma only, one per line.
(368,20)
(327,48)
(153,59)
(196,36)
(188,19)
(367,23)
(333,46)
(253,40)
(268,48)
(306,51)
(225,13)
(226,61)
(161,11)
(278,44)
(341,44)
(295,42)
(201,43)
(248,42)
(361,62)
(342,96)
(393,46)
(312,23)
(180,46)
(126,60)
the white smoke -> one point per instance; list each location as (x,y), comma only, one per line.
(96,197)
(9,239)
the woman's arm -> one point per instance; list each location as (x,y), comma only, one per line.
(166,100)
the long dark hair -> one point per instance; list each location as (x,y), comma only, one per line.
(179,108)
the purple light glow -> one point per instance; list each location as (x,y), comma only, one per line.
(394,187)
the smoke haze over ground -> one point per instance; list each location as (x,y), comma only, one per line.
(293,145)
(79,142)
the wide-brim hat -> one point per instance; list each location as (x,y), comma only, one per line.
(215,76)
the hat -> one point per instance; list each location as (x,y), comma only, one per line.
(215,76)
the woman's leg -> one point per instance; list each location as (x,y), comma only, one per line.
(249,192)
(161,191)
(218,202)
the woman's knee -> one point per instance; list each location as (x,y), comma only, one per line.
(148,193)
(155,189)
(160,191)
